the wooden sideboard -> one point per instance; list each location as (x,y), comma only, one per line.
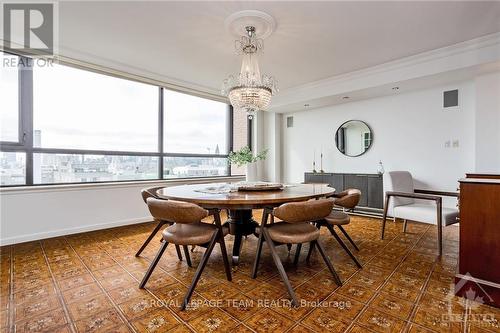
(370,185)
(479,254)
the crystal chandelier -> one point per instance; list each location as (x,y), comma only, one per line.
(249,90)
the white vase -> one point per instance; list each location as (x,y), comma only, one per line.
(251,172)
(380,168)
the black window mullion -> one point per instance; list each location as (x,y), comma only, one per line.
(195,155)
(21,130)
(250,131)
(160,132)
(230,132)
(92,152)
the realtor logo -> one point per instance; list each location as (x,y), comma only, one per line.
(473,297)
(477,294)
(29,28)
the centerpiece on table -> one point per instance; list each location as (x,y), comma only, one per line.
(245,157)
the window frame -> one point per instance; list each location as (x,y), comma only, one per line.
(25,144)
(21,81)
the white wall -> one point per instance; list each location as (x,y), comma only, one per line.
(37,213)
(272,135)
(258,141)
(488,123)
(409,133)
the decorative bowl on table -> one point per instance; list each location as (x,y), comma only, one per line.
(259,186)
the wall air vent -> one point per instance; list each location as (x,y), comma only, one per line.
(450,98)
(289,122)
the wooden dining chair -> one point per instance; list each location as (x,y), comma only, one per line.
(347,199)
(151,193)
(295,228)
(187,230)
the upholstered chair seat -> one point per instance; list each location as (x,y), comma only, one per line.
(338,218)
(190,234)
(425,213)
(287,233)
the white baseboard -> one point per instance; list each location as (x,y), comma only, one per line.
(70,231)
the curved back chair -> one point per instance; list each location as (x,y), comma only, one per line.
(295,228)
(347,199)
(187,230)
(152,193)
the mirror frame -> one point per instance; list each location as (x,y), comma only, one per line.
(371,137)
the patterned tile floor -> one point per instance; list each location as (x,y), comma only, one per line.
(89,282)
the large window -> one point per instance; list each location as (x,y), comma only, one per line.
(9,109)
(62,124)
(77,109)
(188,118)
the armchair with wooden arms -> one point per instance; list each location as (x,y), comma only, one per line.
(407,204)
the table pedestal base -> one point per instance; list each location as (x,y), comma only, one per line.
(241,223)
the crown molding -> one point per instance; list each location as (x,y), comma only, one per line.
(473,52)
(82,59)
(85,58)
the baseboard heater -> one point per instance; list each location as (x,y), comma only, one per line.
(365,211)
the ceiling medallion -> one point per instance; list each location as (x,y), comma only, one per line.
(249,90)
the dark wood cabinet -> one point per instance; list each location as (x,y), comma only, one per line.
(370,185)
(479,253)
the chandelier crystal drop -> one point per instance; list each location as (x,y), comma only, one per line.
(249,90)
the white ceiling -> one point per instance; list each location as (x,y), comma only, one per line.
(187,42)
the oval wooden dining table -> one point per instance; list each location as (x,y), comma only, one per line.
(241,203)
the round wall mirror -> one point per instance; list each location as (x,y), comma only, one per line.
(353,138)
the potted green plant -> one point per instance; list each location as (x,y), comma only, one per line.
(245,157)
